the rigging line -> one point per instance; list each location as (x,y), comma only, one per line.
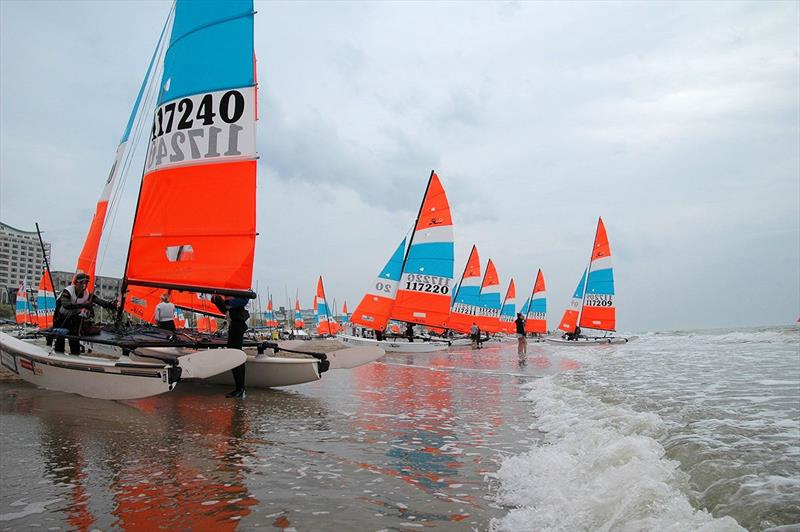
(135,141)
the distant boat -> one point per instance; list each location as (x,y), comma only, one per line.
(45,302)
(508,311)
(415,286)
(536,311)
(298,316)
(592,305)
(467,298)
(23,307)
(490,301)
(326,325)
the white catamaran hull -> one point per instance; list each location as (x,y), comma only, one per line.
(591,341)
(88,376)
(395,346)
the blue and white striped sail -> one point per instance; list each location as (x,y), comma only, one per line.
(570,319)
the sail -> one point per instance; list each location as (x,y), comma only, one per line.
(298,317)
(376,306)
(141,302)
(489,319)
(271,322)
(467,295)
(23,308)
(87,260)
(180,319)
(45,302)
(570,319)
(345,315)
(508,311)
(423,295)
(325,322)
(536,315)
(202,155)
(206,324)
(598,301)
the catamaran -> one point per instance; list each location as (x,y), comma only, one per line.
(535,310)
(592,303)
(203,134)
(415,285)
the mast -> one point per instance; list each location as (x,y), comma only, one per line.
(588,272)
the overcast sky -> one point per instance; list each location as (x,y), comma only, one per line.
(677,122)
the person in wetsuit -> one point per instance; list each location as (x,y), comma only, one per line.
(74,312)
(522,342)
(236,310)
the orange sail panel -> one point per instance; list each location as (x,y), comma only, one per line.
(423,294)
(536,319)
(207,324)
(599,311)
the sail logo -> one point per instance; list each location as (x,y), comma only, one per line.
(203,128)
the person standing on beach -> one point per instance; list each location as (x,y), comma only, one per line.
(165,313)
(522,342)
(475,335)
(236,310)
(410,331)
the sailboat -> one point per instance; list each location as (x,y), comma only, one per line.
(466,300)
(415,285)
(592,304)
(535,309)
(45,302)
(490,302)
(326,325)
(508,310)
(22,311)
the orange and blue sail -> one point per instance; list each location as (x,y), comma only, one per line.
(298,316)
(270,317)
(536,314)
(467,296)
(376,306)
(179,319)
(324,319)
(571,315)
(22,307)
(508,311)
(345,317)
(424,293)
(599,311)
(490,302)
(202,143)
(45,302)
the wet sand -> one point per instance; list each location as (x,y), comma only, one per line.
(409,442)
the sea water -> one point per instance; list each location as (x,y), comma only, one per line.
(674,431)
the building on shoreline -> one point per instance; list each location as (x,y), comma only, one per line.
(21,259)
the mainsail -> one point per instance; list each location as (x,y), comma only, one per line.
(376,306)
(45,302)
(536,314)
(23,308)
(598,301)
(325,323)
(202,143)
(467,300)
(298,317)
(271,322)
(423,296)
(508,311)
(570,318)
(345,315)
(490,304)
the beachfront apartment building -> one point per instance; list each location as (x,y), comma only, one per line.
(21,259)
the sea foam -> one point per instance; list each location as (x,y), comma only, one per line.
(600,467)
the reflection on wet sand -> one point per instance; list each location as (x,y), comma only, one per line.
(410,441)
